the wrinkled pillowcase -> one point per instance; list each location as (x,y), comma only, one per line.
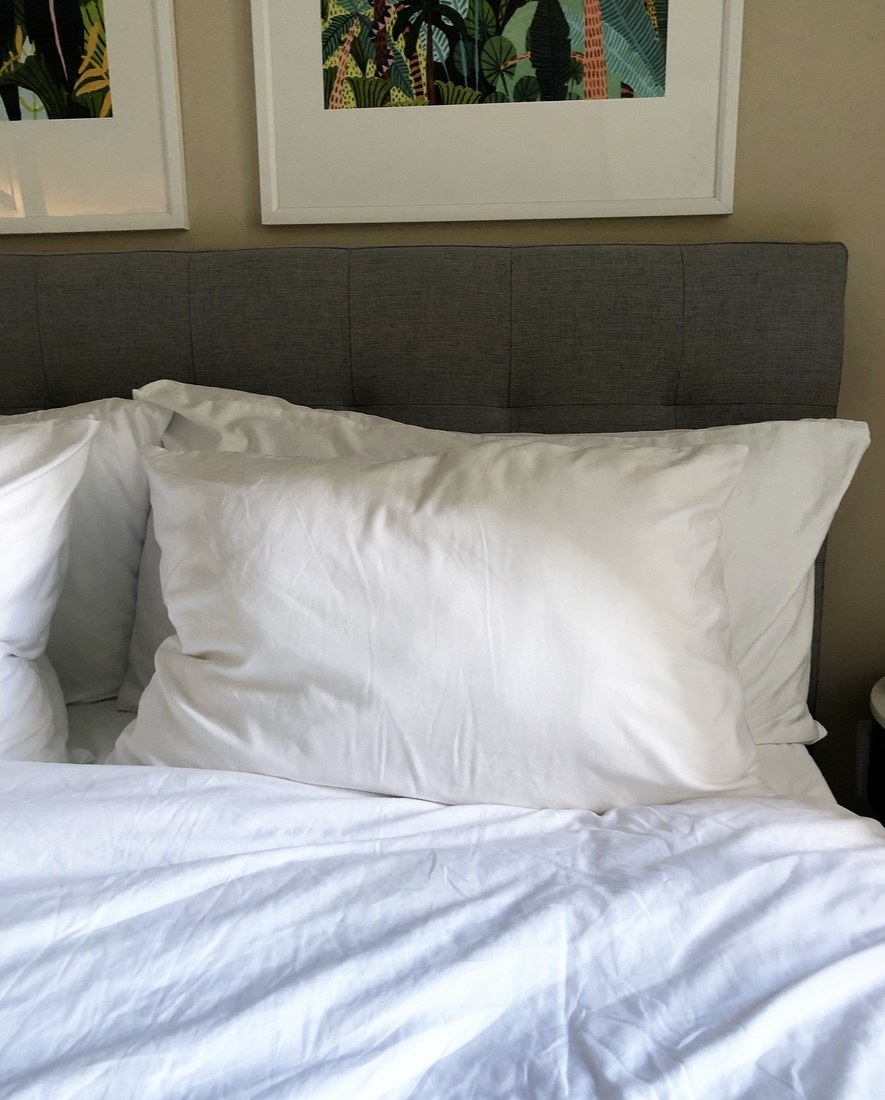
(93,622)
(773,525)
(40,468)
(510,622)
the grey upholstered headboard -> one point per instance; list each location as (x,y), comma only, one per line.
(575,338)
(585,337)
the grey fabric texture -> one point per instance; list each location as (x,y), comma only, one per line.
(476,338)
(551,338)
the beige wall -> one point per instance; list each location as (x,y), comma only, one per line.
(810,166)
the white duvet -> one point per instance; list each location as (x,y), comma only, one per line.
(183,934)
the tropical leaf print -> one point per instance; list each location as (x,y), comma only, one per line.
(550,50)
(404,53)
(456,93)
(369,91)
(498,60)
(93,77)
(53,60)
(632,24)
(632,68)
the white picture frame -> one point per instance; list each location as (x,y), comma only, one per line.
(605,158)
(125,172)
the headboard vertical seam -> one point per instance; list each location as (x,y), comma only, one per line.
(350,363)
(841,342)
(190,317)
(510,344)
(681,368)
(39,311)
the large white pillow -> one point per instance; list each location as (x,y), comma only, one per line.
(772,527)
(513,622)
(40,467)
(92,626)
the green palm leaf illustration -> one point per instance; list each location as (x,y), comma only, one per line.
(334,34)
(370,91)
(480,20)
(498,54)
(456,93)
(399,74)
(34,76)
(526,90)
(629,65)
(631,21)
(549,43)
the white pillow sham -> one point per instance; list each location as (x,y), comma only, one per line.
(507,622)
(92,625)
(40,468)
(773,526)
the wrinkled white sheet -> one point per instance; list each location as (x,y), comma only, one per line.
(182,934)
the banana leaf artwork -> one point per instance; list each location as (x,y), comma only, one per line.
(404,53)
(53,60)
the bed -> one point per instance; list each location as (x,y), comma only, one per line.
(407,674)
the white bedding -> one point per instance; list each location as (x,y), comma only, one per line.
(205,934)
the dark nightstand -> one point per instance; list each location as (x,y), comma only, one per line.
(876,765)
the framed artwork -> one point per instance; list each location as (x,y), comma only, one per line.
(428,110)
(90,130)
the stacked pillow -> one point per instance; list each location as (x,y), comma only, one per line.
(91,581)
(40,468)
(329,643)
(92,625)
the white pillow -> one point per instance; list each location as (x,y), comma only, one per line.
(773,525)
(92,626)
(40,467)
(509,622)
